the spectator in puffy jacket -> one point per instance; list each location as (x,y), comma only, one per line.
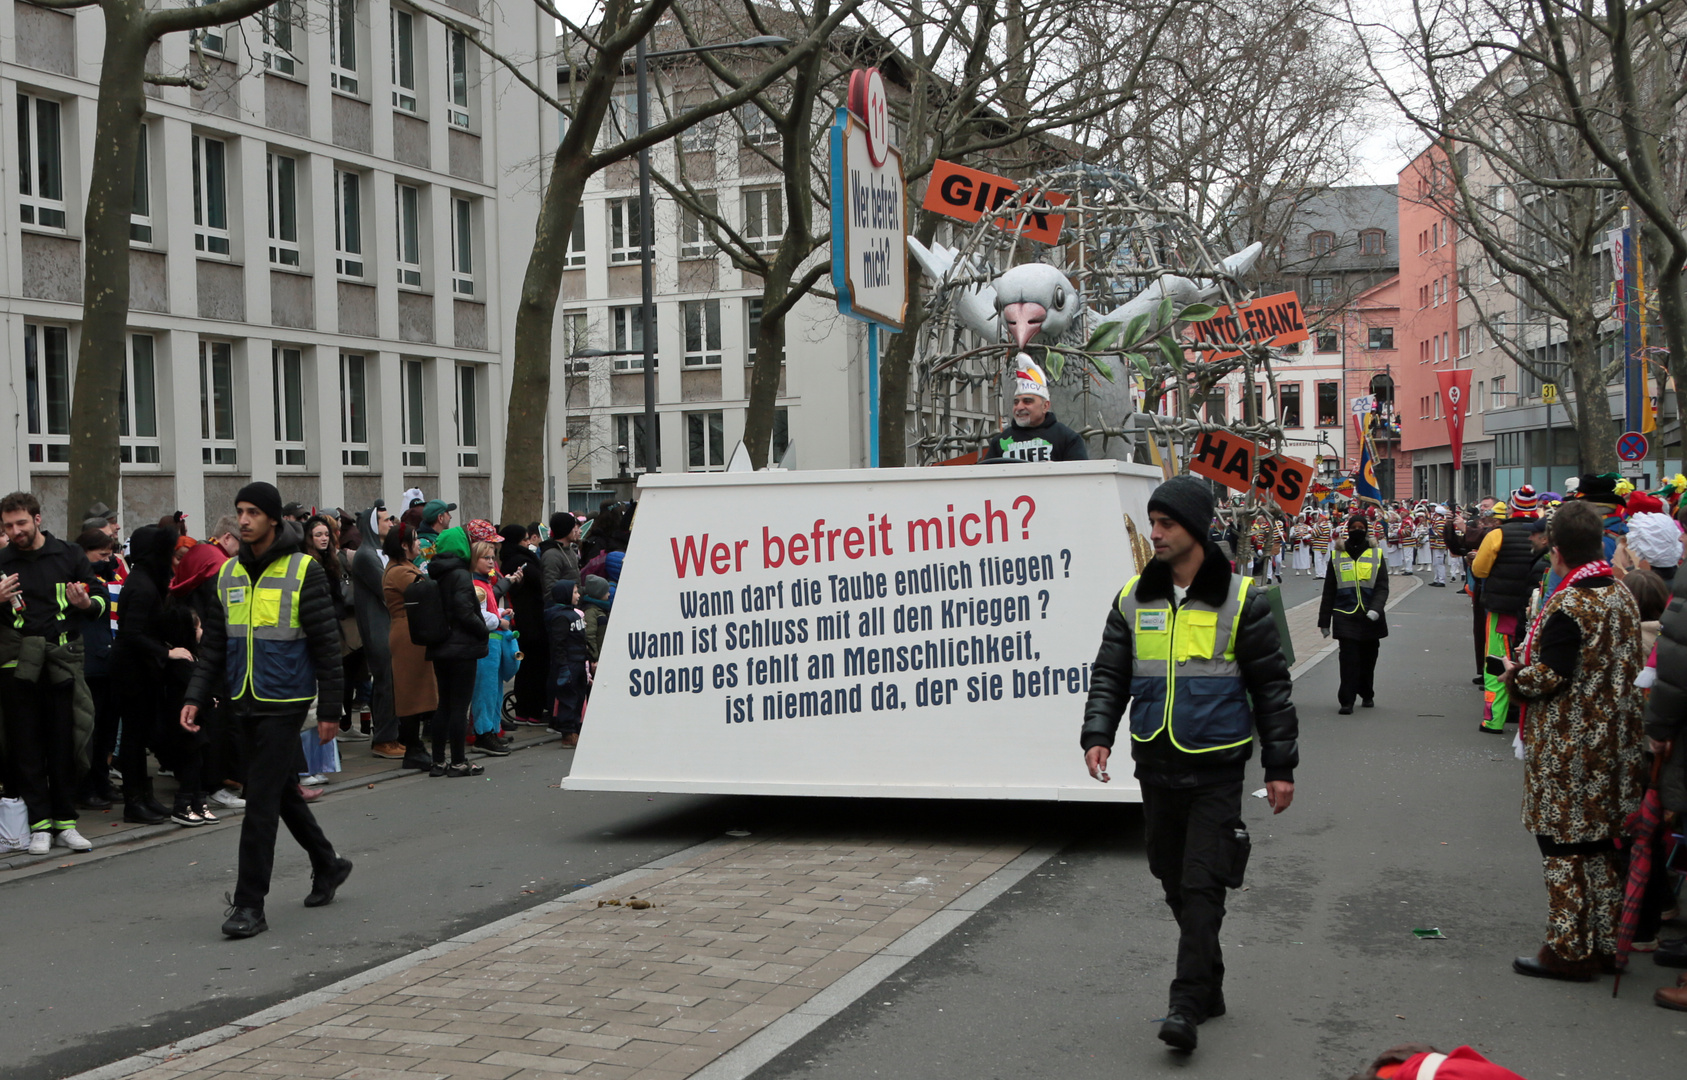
(565,625)
(559,556)
(456,658)
(95,791)
(138,659)
(597,597)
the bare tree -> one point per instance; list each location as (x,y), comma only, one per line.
(132,27)
(593,59)
(1597,86)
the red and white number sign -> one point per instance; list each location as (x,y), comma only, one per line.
(867,100)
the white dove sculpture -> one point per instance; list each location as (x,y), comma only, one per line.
(1036,302)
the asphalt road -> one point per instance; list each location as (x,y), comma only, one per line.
(1405,816)
(122,954)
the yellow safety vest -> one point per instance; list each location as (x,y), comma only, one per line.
(1355,578)
(1184,677)
(267,657)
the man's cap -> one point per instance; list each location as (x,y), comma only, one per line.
(477,529)
(435,507)
(263,496)
(1028,378)
(1185,500)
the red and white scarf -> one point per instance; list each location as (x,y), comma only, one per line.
(1596,568)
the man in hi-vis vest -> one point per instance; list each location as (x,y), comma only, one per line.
(1192,649)
(1355,594)
(272,647)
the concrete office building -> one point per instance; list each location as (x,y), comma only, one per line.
(327,247)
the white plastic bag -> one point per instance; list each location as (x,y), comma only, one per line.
(14,825)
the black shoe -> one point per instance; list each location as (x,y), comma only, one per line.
(1177,1031)
(244,922)
(93,800)
(1369,703)
(491,746)
(1438,584)
(463,768)
(324,883)
(1476,681)
(1565,971)
(139,813)
(436,769)
(1672,955)
(417,759)
(1345,710)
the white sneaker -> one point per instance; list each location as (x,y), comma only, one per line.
(226,799)
(75,841)
(39,842)
(351,735)
(313,780)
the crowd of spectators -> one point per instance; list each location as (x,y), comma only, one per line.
(103,641)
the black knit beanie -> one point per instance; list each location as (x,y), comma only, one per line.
(263,496)
(1187,501)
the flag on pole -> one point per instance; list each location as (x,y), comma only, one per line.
(1365,484)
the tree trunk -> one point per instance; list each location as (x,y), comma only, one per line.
(896,358)
(764,376)
(95,470)
(1596,430)
(530,373)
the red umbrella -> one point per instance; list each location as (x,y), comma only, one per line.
(1640,828)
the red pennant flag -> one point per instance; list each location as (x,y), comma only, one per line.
(1455,398)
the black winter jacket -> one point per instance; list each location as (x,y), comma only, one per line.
(41,571)
(139,651)
(368,598)
(1264,671)
(317,619)
(1354,627)
(1666,708)
(1506,589)
(1049,441)
(462,610)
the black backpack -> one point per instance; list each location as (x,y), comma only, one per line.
(424,609)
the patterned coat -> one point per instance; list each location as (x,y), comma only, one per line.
(1583,737)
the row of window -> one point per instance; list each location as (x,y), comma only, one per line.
(49,371)
(1376,337)
(1439,234)
(705,438)
(41,203)
(1288,402)
(283,27)
(1370,242)
(761,223)
(1437,292)
(701,325)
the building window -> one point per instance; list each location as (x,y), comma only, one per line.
(764,217)
(1328,341)
(759,128)
(629,432)
(627,324)
(40,163)
(283,177)
(408,212)
(705,440)
(1380,337)
(1288,404)
(625,236)
(216,403)
(457,79)
(46,369)
(576,335)
(354,410)
(462,247)
(1215,404)
(140,208)
(280,28)
(348,224)
(1329,404)
(623,114)
(210,38)
(576,255)
(1371,242)
(415,415)
(702,333)
(1321,244)
(699,138)
(468,417)
(210,195)
(1508,449)
(1320,289)
(752,331)
(694,242)
(288,380)
(342,45)
(1242,404)
(403,60)
(137,404)
(781,442)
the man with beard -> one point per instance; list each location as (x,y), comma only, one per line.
(1355,594)
(1192,650)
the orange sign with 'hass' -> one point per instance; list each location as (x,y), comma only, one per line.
(968,194)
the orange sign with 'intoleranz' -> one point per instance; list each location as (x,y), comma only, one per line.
(968,194)
(1268,320)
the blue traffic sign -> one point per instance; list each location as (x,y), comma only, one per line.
(1631,446)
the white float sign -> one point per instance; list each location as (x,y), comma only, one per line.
(892,632)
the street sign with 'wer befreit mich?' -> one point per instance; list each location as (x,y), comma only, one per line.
(869,226)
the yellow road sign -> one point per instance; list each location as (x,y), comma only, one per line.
(1549,393)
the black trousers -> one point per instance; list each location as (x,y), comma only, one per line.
(1197,847)
(41,742)
(1358,670)
(456,694)
(533,677)
(274,760)
(108,713)
(384,718)
(568,698)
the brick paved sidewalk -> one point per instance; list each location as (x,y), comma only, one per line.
(737,937)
